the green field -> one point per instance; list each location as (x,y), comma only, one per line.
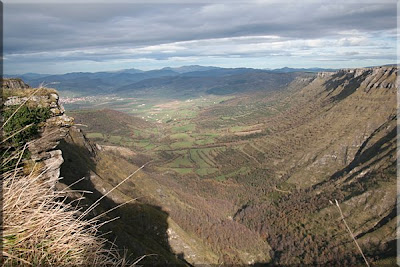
(173,126)
(94,135)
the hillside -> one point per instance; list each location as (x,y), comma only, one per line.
(191,85)
(250,177)
(110,121)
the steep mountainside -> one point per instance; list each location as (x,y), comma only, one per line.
(341,144)
(139,225)
(39,226)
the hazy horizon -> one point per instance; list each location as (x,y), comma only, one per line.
(166,67)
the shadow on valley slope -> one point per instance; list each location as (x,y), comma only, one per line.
(141,229)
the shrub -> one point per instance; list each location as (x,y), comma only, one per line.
(22,118)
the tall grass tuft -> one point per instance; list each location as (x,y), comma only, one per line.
(40,228)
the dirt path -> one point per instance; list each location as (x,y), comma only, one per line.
(282,191)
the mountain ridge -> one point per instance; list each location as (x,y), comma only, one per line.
(106,81)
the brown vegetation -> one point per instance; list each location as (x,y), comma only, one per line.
(40,228)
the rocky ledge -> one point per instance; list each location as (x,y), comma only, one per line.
(374,77)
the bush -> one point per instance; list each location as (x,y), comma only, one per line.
(18,133)
(22,118)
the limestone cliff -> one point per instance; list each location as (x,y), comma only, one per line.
(40,226)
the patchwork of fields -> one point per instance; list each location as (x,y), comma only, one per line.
(176,134)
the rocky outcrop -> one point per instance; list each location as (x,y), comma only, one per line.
(346,81)
(43,149)
(13,83)
(324,74)
(47,98)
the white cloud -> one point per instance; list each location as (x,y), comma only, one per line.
(353,41)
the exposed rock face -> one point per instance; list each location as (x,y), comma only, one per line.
(14,83)
(324,74)
(43,149)
(366,78)
(77,137)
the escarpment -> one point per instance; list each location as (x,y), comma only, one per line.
(44,149)
(41,225)
(345,82)
(140,226)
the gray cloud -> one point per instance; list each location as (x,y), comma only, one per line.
(101,32)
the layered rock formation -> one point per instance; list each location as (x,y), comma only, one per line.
(43,150)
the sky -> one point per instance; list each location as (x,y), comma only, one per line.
(89,36)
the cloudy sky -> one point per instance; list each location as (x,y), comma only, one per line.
(96,36)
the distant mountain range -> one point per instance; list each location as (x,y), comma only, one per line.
(286,70)
(207,79)
(191,68)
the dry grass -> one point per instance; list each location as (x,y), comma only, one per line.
(40,229)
